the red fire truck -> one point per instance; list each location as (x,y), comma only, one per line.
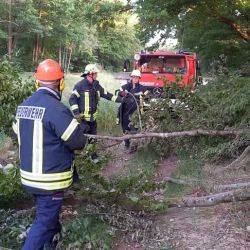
(154,65)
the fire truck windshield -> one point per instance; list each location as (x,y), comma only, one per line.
(163,64)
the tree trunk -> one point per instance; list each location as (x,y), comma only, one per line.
(196,132)
(36,48)
(232,186)
(192,182)
(69,58)
(64,57)
(60,55)
(214,199)
(10,31)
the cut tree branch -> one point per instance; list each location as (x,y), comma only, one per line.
(238,162)
(213,199)
(192,182)
(188,182)
(232,186)
(196,132)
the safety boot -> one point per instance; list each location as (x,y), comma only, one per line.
(132,149)
(132,128)
(127,144)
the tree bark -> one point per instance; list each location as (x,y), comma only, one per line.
(232,186)
(192,182)
(60,55)
(69,58)
(10,31)
(214,199)
(37,48)
(196,132)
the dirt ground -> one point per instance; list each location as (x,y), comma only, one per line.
(216,228)
(221,227)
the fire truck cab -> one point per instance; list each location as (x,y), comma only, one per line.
(155,65)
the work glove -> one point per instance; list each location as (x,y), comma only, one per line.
(79,117)
(123,93)
(84,126)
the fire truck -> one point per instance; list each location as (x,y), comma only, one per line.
(155,66)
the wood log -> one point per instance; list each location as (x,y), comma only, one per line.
(213,199)
(232,186)
(196,132)
(192,182)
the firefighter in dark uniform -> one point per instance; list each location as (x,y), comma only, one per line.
(85,98)
(133,93)
(47,134)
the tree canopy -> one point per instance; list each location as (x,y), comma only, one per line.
(74,32)
(210,27)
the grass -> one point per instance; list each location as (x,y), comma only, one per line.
(144,160)
(187,168)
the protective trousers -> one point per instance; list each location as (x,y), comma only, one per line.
(46,224)
(126,109)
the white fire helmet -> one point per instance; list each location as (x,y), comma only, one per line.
(90,69)
(136,72)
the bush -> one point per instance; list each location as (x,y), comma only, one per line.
(10,188)
(222,104)
(12,93)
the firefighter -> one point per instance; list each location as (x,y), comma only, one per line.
(134,93)
(85,98)
(47,134)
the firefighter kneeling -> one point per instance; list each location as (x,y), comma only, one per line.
(47,134)
(133,93)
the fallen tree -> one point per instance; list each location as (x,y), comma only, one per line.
(238,192)
(196,132)
(213,199)
(192,182)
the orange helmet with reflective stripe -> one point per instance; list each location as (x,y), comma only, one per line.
(49,70)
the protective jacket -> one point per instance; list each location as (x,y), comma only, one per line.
(85,98)
(46,132)
(138,91)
